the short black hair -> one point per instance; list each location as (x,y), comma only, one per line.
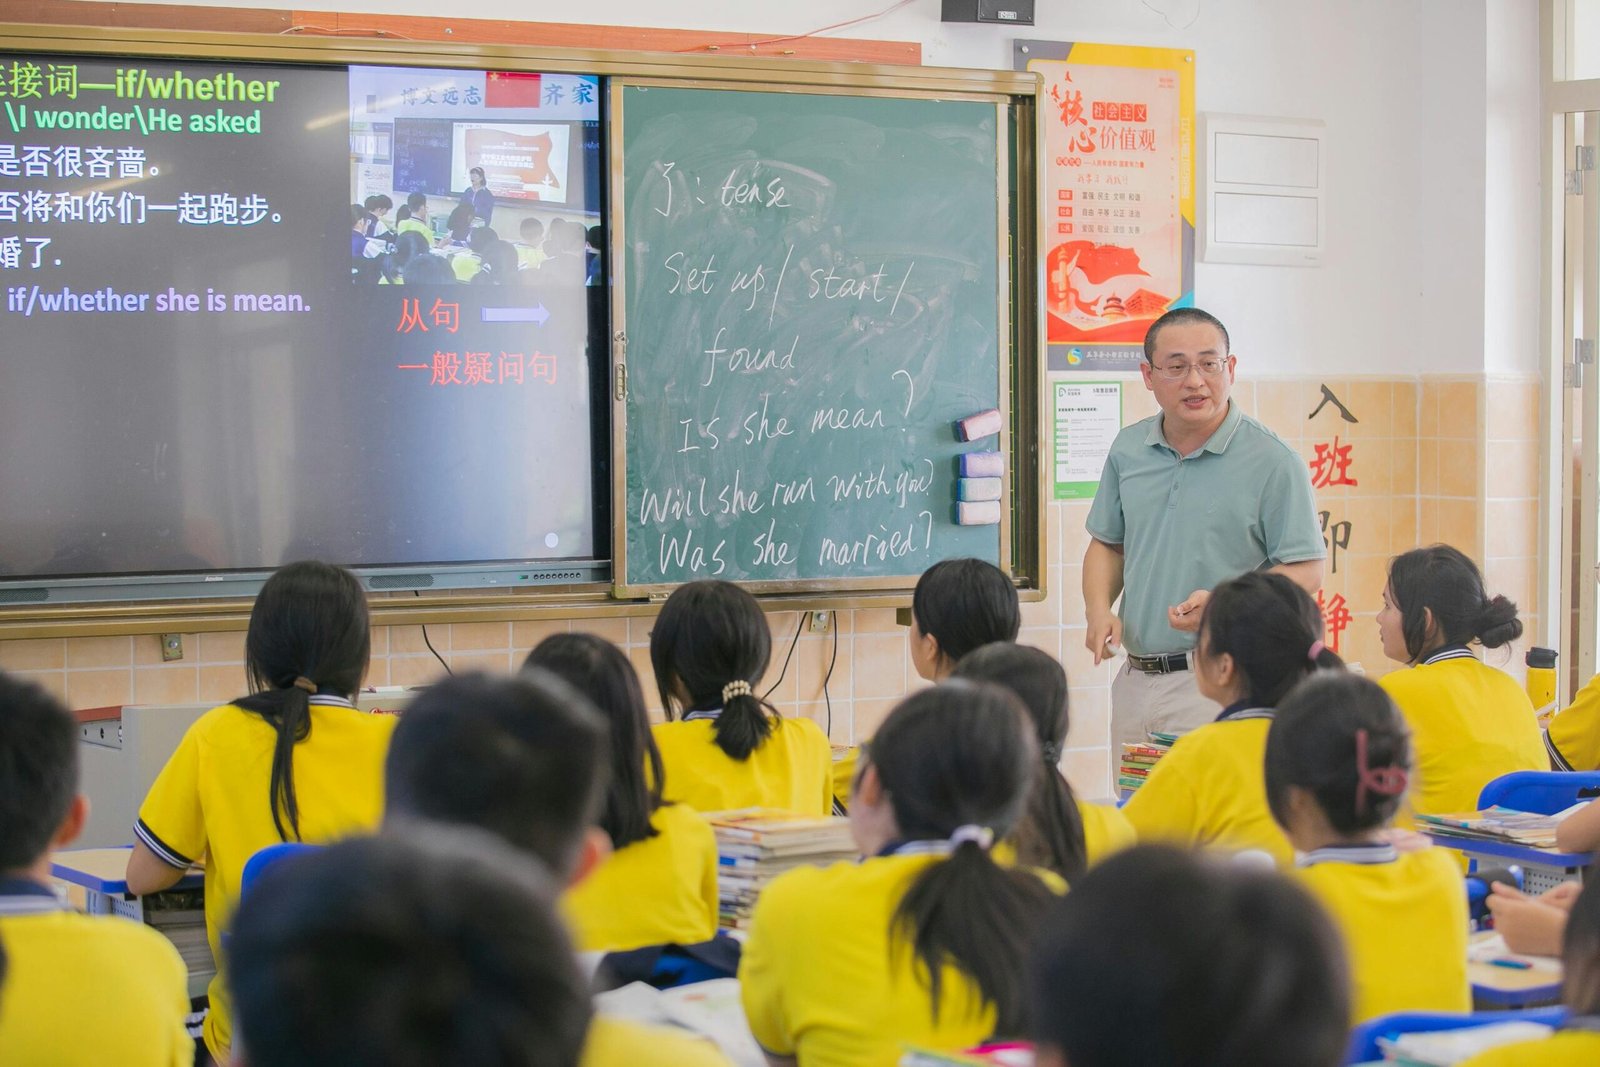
(38,770)
(1179,317)
(1161,956)
(965,604)
(406,950)
(1270,626)
(1445,581)
(711,633)
(1321,734)
(522,757)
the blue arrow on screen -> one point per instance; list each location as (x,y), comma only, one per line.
(537,314)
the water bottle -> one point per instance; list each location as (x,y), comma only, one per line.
(1542,682)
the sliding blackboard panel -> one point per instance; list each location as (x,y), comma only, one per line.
(812,298)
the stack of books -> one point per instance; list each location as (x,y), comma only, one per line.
(755,845)
(1139,758)
(1495,824)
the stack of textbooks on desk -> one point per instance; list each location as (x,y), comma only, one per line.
(180,915)
(1495,824)
(1139,758)
(755,845)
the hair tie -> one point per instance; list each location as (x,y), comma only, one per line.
(736,688)
(1317,649)
(1384,781)
(1051,751)
(981,836)
(302,682)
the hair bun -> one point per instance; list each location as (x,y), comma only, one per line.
(1498,623)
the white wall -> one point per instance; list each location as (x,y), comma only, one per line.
(1431,110)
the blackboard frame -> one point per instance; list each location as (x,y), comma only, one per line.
(1025,543)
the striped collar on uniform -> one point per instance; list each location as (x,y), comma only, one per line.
(24,896)
(333,700)
(702,714)
(1448,652)
(918,848)
(1373,852)
(1241,710)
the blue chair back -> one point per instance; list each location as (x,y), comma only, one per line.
(258,864)
(1364,1038)
(1540,792)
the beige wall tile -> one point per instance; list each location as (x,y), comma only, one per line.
(407,640)
(1046,612)
(218,684)
(1513,528)
(1046,639)
(1089,718)
(1513,468)
(414,670)
(877,621)
(52,682)
(1404,466)
(1428,409)
(480,636)
(377,672)
(1089,771)
(1403,523)
(166,685)
(1428,466)
(882,666)
(1458,410)
(1406,399)
(1364,580)
(41,654)
(640,658)
(97,689)
(1079,663)
(788,684)
(526,635)
(1427,520)
(812,659)
(227,646)
(1458,469)
(1071,585)
(99,652)
(869,714)
(1370,524)
(492,662)
(1511,411)
(1459,523)
(1372,403)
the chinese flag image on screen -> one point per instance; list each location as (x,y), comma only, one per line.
(506,88)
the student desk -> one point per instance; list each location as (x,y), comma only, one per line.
(96,881)
(1499,988)
(1542,868)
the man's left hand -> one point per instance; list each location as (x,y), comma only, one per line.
(1186,616)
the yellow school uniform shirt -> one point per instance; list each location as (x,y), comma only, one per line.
(621,1043)
(211,800)
(417,226)
(659,891)
(819,981)
(1106,830)
(1573,740)
(1470,724)
(1403,917)
(87,990)
(1211,790)
(1565,1048)
(792,770)
(530,257)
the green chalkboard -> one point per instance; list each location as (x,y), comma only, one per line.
(813,295)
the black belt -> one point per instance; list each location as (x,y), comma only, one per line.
(1165,663)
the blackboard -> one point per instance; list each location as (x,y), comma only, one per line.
(422,157)
(812,296)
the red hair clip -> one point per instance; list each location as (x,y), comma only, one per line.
(1385,781)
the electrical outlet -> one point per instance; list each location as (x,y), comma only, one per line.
(820,621)
(171,647)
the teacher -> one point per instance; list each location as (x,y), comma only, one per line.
(478,197)
(1190,497)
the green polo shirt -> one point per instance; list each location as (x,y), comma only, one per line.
(1239,503)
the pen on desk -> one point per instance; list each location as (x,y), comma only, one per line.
(1515,965)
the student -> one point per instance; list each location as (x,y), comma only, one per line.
(957,606)
(1577,1042)
(659,885)
(429,268)
(1161,958)
(293,761)
(524,758)
(1535,925)
(1260,635)
(497,263)
(79,990)
(457,228)
(922,942)
(407,246)
(1057,832)
(413,216)
(1338,757)
(1470,723)
(404,951)
(530,251)
(1573,739)
(730,749)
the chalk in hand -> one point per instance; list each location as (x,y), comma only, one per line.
(983,424)
(983,464)
(978,513)
(977,489)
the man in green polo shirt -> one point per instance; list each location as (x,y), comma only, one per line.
(1189,498)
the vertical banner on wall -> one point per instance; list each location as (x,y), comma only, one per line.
(1118,196)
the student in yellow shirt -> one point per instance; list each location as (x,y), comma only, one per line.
(525,759)
(1160,957)
(724,746)
(923,941)
(412,216)
(1577,1042)
(1573,739)
(293,761)
(1338,757)
(957,606)
(77,990)
(530,250)
(659,885)
(1260,636)
(1057,832)
(1470,723)
(1536,925)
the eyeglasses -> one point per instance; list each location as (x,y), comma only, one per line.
(1177,372)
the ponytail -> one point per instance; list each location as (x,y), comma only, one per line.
(1050,833)
(746,722)
(1443,582)
(308,634)
(956,763)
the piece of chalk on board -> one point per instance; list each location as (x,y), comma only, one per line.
(983,464)
(983,424)
(977,512)
(978,489)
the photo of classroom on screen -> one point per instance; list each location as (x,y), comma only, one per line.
(471,176)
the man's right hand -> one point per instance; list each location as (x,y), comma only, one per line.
(1105,637)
